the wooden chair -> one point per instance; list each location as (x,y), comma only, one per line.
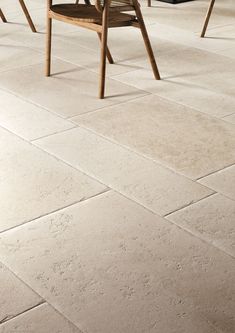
(99,17)
(26,12)
(208,15)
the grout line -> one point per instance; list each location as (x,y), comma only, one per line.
(214,172)
(191,203)
(9,318)
(107,189)
(57,132)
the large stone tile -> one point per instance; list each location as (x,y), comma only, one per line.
(109,265)
(70,91)
(14,55)
(222,181)
(212,219)
(28,120)
(183,91)
(138,178)
(176,136)
(34,183)
(15,296)
(42,319)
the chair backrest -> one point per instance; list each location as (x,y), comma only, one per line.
(118,5)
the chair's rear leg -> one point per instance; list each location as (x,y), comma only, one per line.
(104,37)
(147,41)
(109,56)
(149,3)
(48,47)
(28,17)
(208,15)
(2,16)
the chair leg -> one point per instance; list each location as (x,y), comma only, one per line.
(104,37)
(25,10)
(149,3)
(48,46)
(109,56)
(208,15)
(147,41)
(2,16)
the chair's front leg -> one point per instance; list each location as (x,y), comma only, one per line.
(104,37)
(2,16)
(208,15)
(26,12)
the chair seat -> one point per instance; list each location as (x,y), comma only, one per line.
(86,13)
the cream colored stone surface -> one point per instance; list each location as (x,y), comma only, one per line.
(211,219)
(15,296)
(222,181)
(71,90)
(176,136)
(42,319)
(108,258)
(32,183)
(138,178)
(28,120)
(230,119)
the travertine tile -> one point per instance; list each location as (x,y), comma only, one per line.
(211,219)
(141,179)
(28,120)
(15,296)
(174,135)
(70,91)
(34,183)
(222,181)
(42,319)
(109,265)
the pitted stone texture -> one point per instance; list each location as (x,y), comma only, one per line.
(32,183)
(110,265)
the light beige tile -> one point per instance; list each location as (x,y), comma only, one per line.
(108,258)
(42,319)
(171,134)
(28,120)
(15,296)
(14,55)
(230,119)
(138,178)
(183,91)
(222,181)
(212,219)
(70,91)
(34,183)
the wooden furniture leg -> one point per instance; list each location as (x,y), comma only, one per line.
(208,15)
(147,41)
(2,16)
(25,10)
(48,46)
(104,37)
(109,56)
(149,3)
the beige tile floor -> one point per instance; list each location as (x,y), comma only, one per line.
(118,216)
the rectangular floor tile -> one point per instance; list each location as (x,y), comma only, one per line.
(108,258)
(70,91)
(28,120)
(32,183)
(187,141)
(211,219)
(141,179)
(222,181)
(42,319)
(15,296)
